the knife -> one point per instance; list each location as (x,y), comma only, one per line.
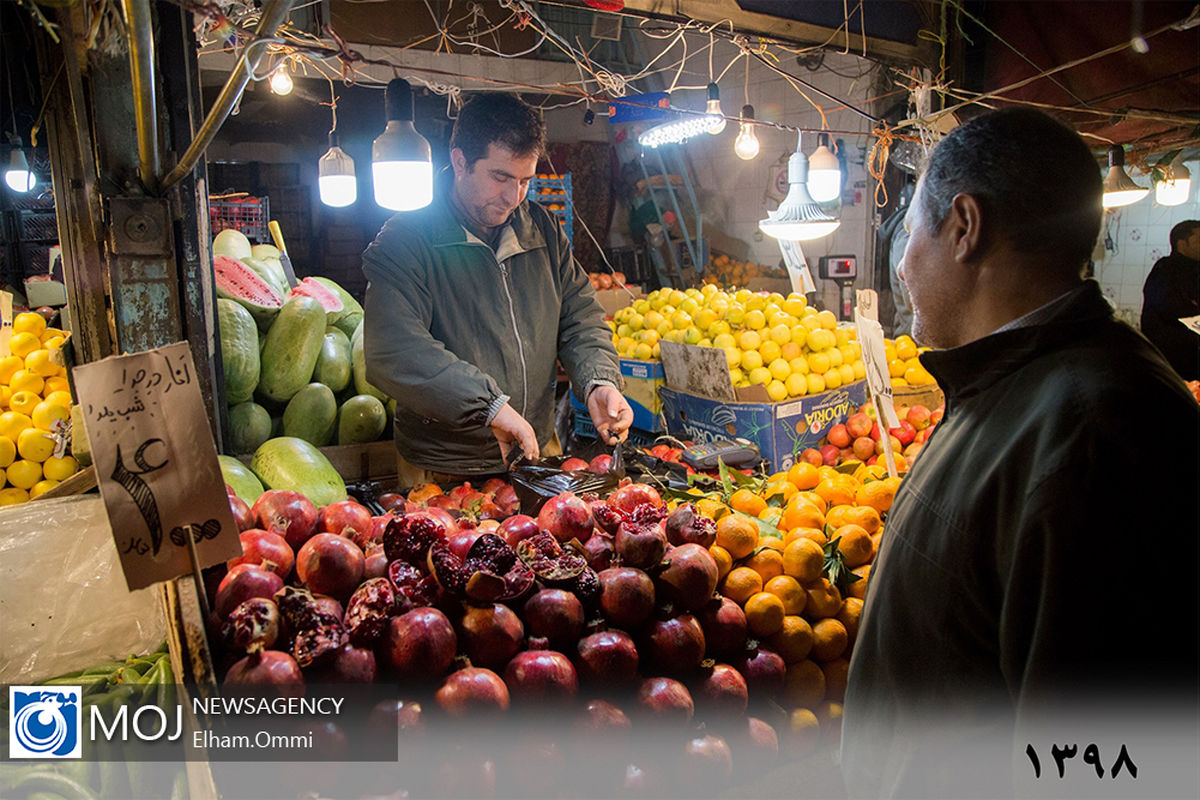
(288,271)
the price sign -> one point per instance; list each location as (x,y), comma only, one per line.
(879,381)
(797,267)
(6,317)
(157,468)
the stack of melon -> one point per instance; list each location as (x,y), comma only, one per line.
(293,359)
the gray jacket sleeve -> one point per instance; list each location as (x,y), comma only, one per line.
(403,359)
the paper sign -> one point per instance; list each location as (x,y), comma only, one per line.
(6,317)
(797,267)
(153,451)
(698,370)
(870,335)
(1192,323)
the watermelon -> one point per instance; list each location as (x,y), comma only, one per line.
(334,308)
(333,365)
(290,463)
(361,419)
(358,365)
(244,482)
(354,311)
(236,281)
(311,415)
(231,242)
(249,427)
(265,270)
(292,348)
(239,350)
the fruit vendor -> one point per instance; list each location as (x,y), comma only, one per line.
(1007,610)
(1172,293)
(471,302)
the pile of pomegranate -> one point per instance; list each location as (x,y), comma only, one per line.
(589,642)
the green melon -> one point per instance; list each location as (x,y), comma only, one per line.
(235,281)
(239,350)
(333,365)
(245,483)
(249,427)
(359,366)
(264,270)
(292,348)
(353,310)
(361,419)
(294,464)
(311,415)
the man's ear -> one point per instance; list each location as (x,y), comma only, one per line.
(458,161)
(966,227)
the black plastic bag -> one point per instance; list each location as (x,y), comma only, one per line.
(537,483)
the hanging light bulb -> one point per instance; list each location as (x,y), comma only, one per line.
(1175,190)
(713,109)
(798,217)
(335,176)
(1119,188)
(281,80)
(401,164)
(17,174)
(745,146)
(824,172)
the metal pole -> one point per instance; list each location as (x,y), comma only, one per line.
(141,66)
(273,16)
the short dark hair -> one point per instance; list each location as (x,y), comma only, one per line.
(501,119)
(1035,178)
(1182,231)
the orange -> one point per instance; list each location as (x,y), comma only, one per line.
(764,614)
(59,469)
(802,734)
(23,473)
(766,561)
(829,639)
(723,559)
(794,640)
(858,589)
(866,517)
(850,616)
(13,495)
(877,494)
(824,600)
(29,322)
(836,492)
(803,559)
(771,515)
(838,516)
(25,381)
(783,487)
(815,499)
(799,513)
(24,402)
(747,502)
(804,684)
(815,534)
(23,343)
(741,584)
(803,475)
(773,542)
(836,671)
(46,415)
(855,545)
(41,487)
(829,714)
(738,535)
(8,452)
(789,590)
(713,509)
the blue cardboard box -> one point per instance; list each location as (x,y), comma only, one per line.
(643,379)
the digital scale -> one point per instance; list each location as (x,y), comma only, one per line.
(737,453)
(842,270)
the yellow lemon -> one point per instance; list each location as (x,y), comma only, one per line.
(751,360)
(13,422)
(733,356)
(796,385)
(24,402)
(848,375)
(8,366)
(29,322)
(46,413)
(35,445)
(756,320)
(833,378)
(8,452)
(776,390)
(799,365)
(827,319)
(12,496)
(53,342)
(769,351)
(5,396)
(779,369)
(818,363)
(760,375)
(724,340)
(860,370)
(816,383)
(736,377)
(25,381)
(836,359)
(23,473)
(795,304)
(59,469)
(896,368)
(749,340)
(22,344)
(41,487)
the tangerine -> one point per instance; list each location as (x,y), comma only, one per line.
(836,671)
(766,561)
(858,589)
(804,684)
(741,584)
(793,641)
(876,494)
(764,614)
(816,534)
(800,513)
(855,545)
(723,559)
(829,639)
(824,599)
(803,559)
(738,534)
(788,590)
(851,616)
(747,502)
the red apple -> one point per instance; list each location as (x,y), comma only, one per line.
(812,456)
(875,431)
(918,415)
(905,433)
(872,461)
(845,454)
(839,436)
(911,451)
(896,446)
(829,455)
(935,416)
(863,447)
(858,425)
(921,436)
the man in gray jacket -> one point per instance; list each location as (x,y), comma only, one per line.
(473,299)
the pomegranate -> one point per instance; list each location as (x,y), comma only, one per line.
(268,668)
(555,615)
(375,563)
(392,501)
(600,551)
(491,635)
(460,543)
(414,589)
(243,582)
(330,606)
(253,625)
(721,692)
(552,564)
(319,643)
(472,690)
(607,658)
(707,761)
(348,664)
(541,675)
(330,564)
(420,643)
(601,464)
(443,502)
(607,518)
(242,515)
(676,645)
(369,610)
(410,537)
(290,514)
(506,498)
(690,578)
(516,528)
(640,545)
(566,517)
(601,716)
(346,518)
(626,596)
(724,625)
(394,713)
(379,525)
(764,671)
(686,525)
(444,517)
(755,746)
(461,493)
(631,495)
(665,700)
(490,571)
(488,525)
(492,485)
(572,464)
(266,549)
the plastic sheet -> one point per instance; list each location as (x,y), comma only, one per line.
(63,601)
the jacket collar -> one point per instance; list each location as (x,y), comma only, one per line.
(445,229)
(969,369)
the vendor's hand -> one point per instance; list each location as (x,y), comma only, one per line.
(509,427)
(611,414)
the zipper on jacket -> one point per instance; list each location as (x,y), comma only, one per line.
(512,313)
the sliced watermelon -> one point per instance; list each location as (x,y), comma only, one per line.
(236,281)
(335,309)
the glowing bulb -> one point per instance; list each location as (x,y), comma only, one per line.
(281,81)
(745,146)
(401,164)
(17,174)
(1174,192)
(1119,188)
(824,173)
(713,109)
(336,181)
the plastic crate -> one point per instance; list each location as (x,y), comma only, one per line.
(38,225)
(249,215)
(556,195)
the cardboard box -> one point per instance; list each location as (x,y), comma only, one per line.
(928,395)
(781,285)
(612,300)
(643,379)
(45,293)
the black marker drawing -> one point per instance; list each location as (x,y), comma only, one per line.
(200,531)
(141,494)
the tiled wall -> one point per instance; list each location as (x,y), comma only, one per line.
(1132,239)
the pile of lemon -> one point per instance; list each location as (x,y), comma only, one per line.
(35,404)
(903,366)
